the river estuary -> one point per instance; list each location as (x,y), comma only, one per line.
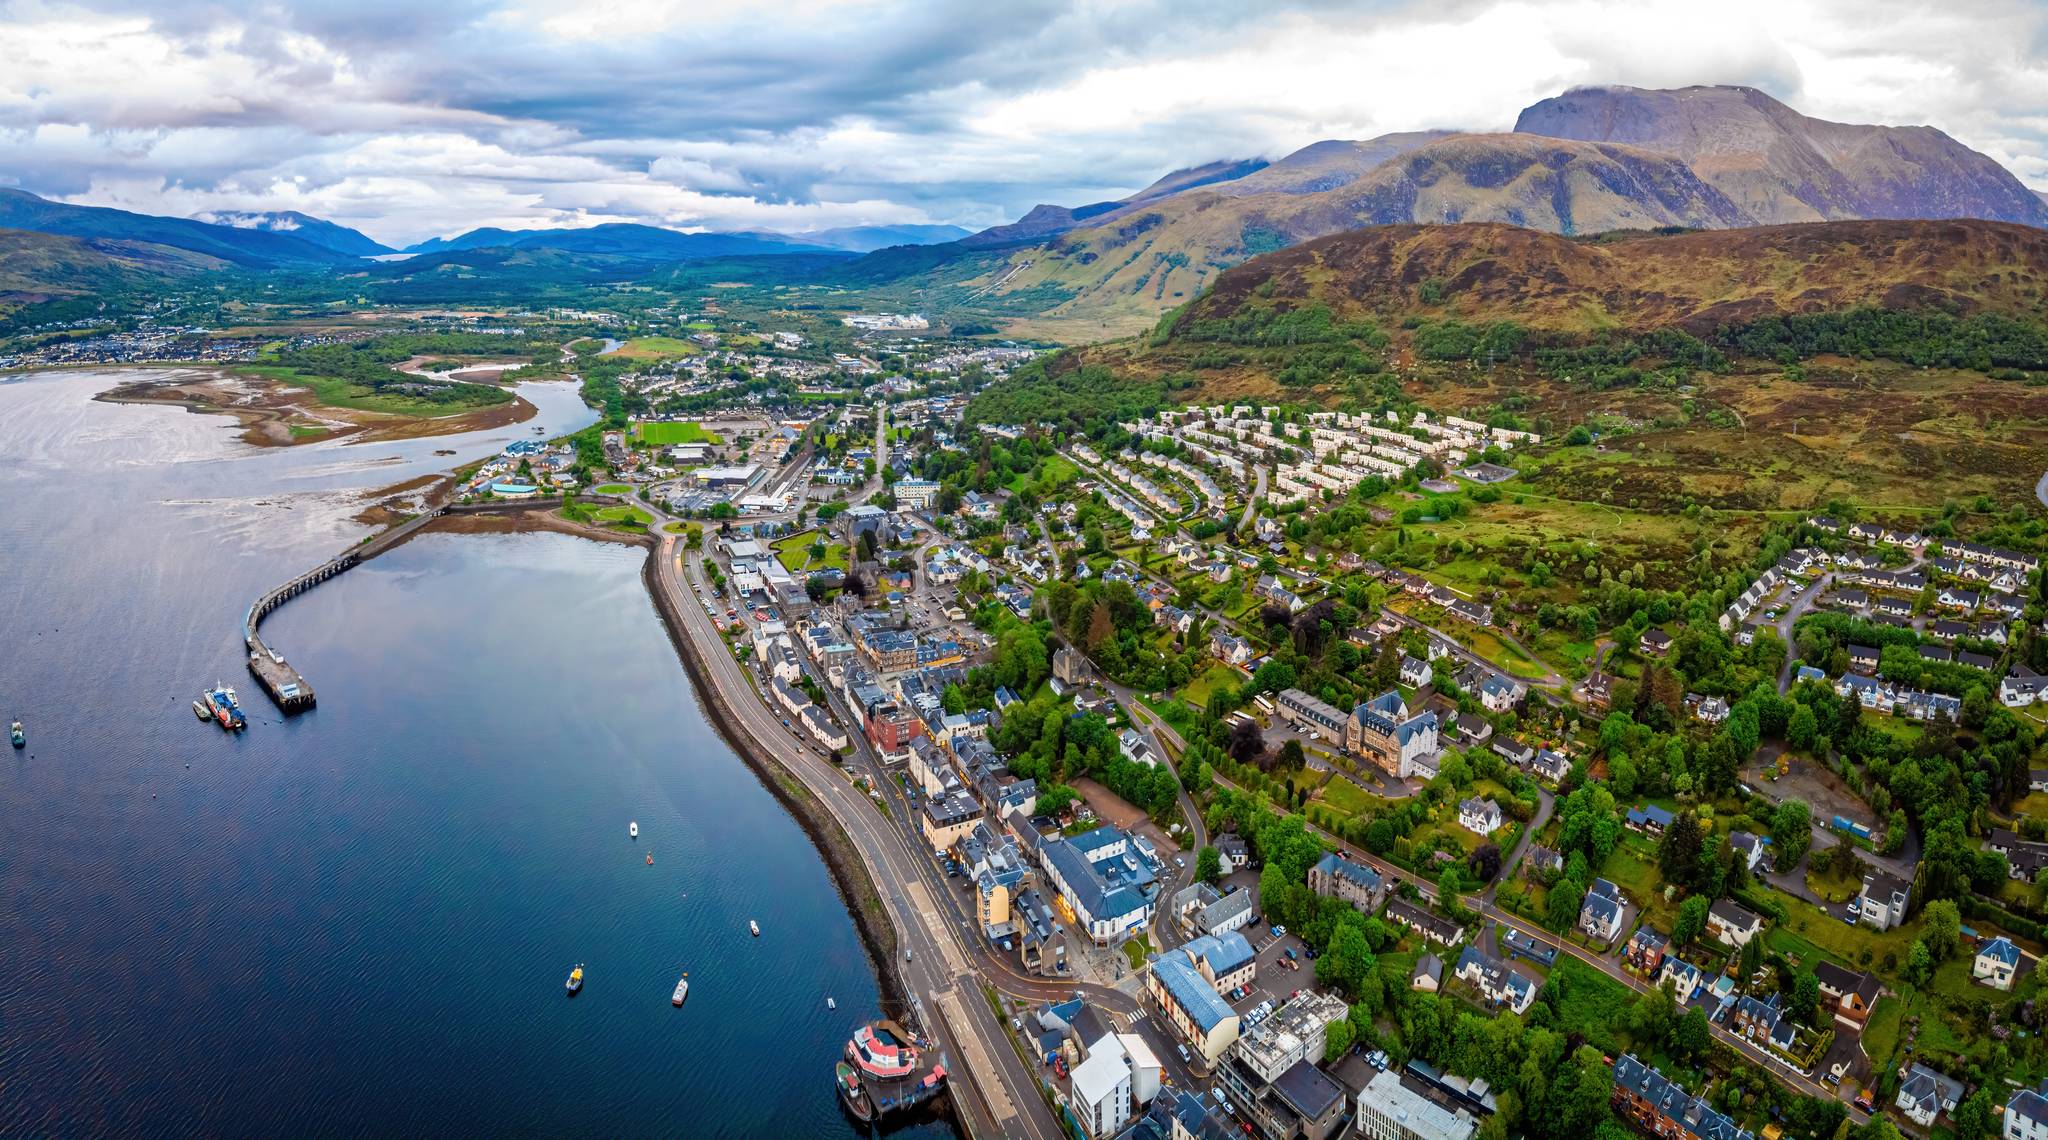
(358,921)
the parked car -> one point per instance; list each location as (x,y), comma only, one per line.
(1279,932)
(1185,1056)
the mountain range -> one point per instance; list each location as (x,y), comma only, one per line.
(305,227)
(1588,161)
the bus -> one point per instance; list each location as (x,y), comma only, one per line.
(1265,704)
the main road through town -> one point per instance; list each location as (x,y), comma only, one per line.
(995,1091)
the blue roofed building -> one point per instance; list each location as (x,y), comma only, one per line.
(1226,959)
(1355,883)
(1106,880)
(1191,1007)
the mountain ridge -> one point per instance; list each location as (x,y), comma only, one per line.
(305,227)
(246,248)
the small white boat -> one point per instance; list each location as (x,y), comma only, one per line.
(755,927)
(830,1004)
(682,992)
(633,829)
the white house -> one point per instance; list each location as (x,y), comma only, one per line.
(1997,961)
(1481,817)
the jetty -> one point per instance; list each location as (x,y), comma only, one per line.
(285,684)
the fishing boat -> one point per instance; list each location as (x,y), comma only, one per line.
(682,991)
(650,858)
(755,927)
(851,1094)
(19,737)
(220,701)
(633,829)
(575,983)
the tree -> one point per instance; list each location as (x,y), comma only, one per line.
(1805,997)
(1974,1115)
(1291,756)
(1484,862)
(1337,1038)
(1944,929)
(1791,832)
(1693,1036)
(1561,908)
(1679,851)
(1208,864)
(1247,742)
(1347,960)
(1919,964)
(1691,922)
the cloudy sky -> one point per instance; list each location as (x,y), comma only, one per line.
(408,119)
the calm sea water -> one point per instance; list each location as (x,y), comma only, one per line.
(358,921)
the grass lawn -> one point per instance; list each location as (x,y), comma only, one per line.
(795,553)
(1054,471)
(667,434)
(628,518)
(1135,951)
(307,431)
(611,489)
(1807,933)
(1341,795)
(1643,882)
(1198,691)
(657,347)
(1881,1035)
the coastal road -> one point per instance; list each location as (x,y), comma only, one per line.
(997,1094)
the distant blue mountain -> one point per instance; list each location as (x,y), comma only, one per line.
(867,239)
(622,239)
(248,248)
(305,227)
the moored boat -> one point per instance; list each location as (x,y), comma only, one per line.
(682,991)
(755,927)
(575,982)
(18,735)
(200,710)
(633,829)
(851,1094)
(227,712)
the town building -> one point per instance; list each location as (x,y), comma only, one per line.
(1433,927)
(1270,1073)
(1732,924)
(1659,1106)
(1191,1007)
(1337,877)
(1498,983)
(1479,816)
(1395,1106)
(1311,714)
(2026,1114)
(1925,1094)
(1996,963)
(1882,903)
(1105,879)
(1601,913)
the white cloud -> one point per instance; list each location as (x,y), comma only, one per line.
(407,120)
